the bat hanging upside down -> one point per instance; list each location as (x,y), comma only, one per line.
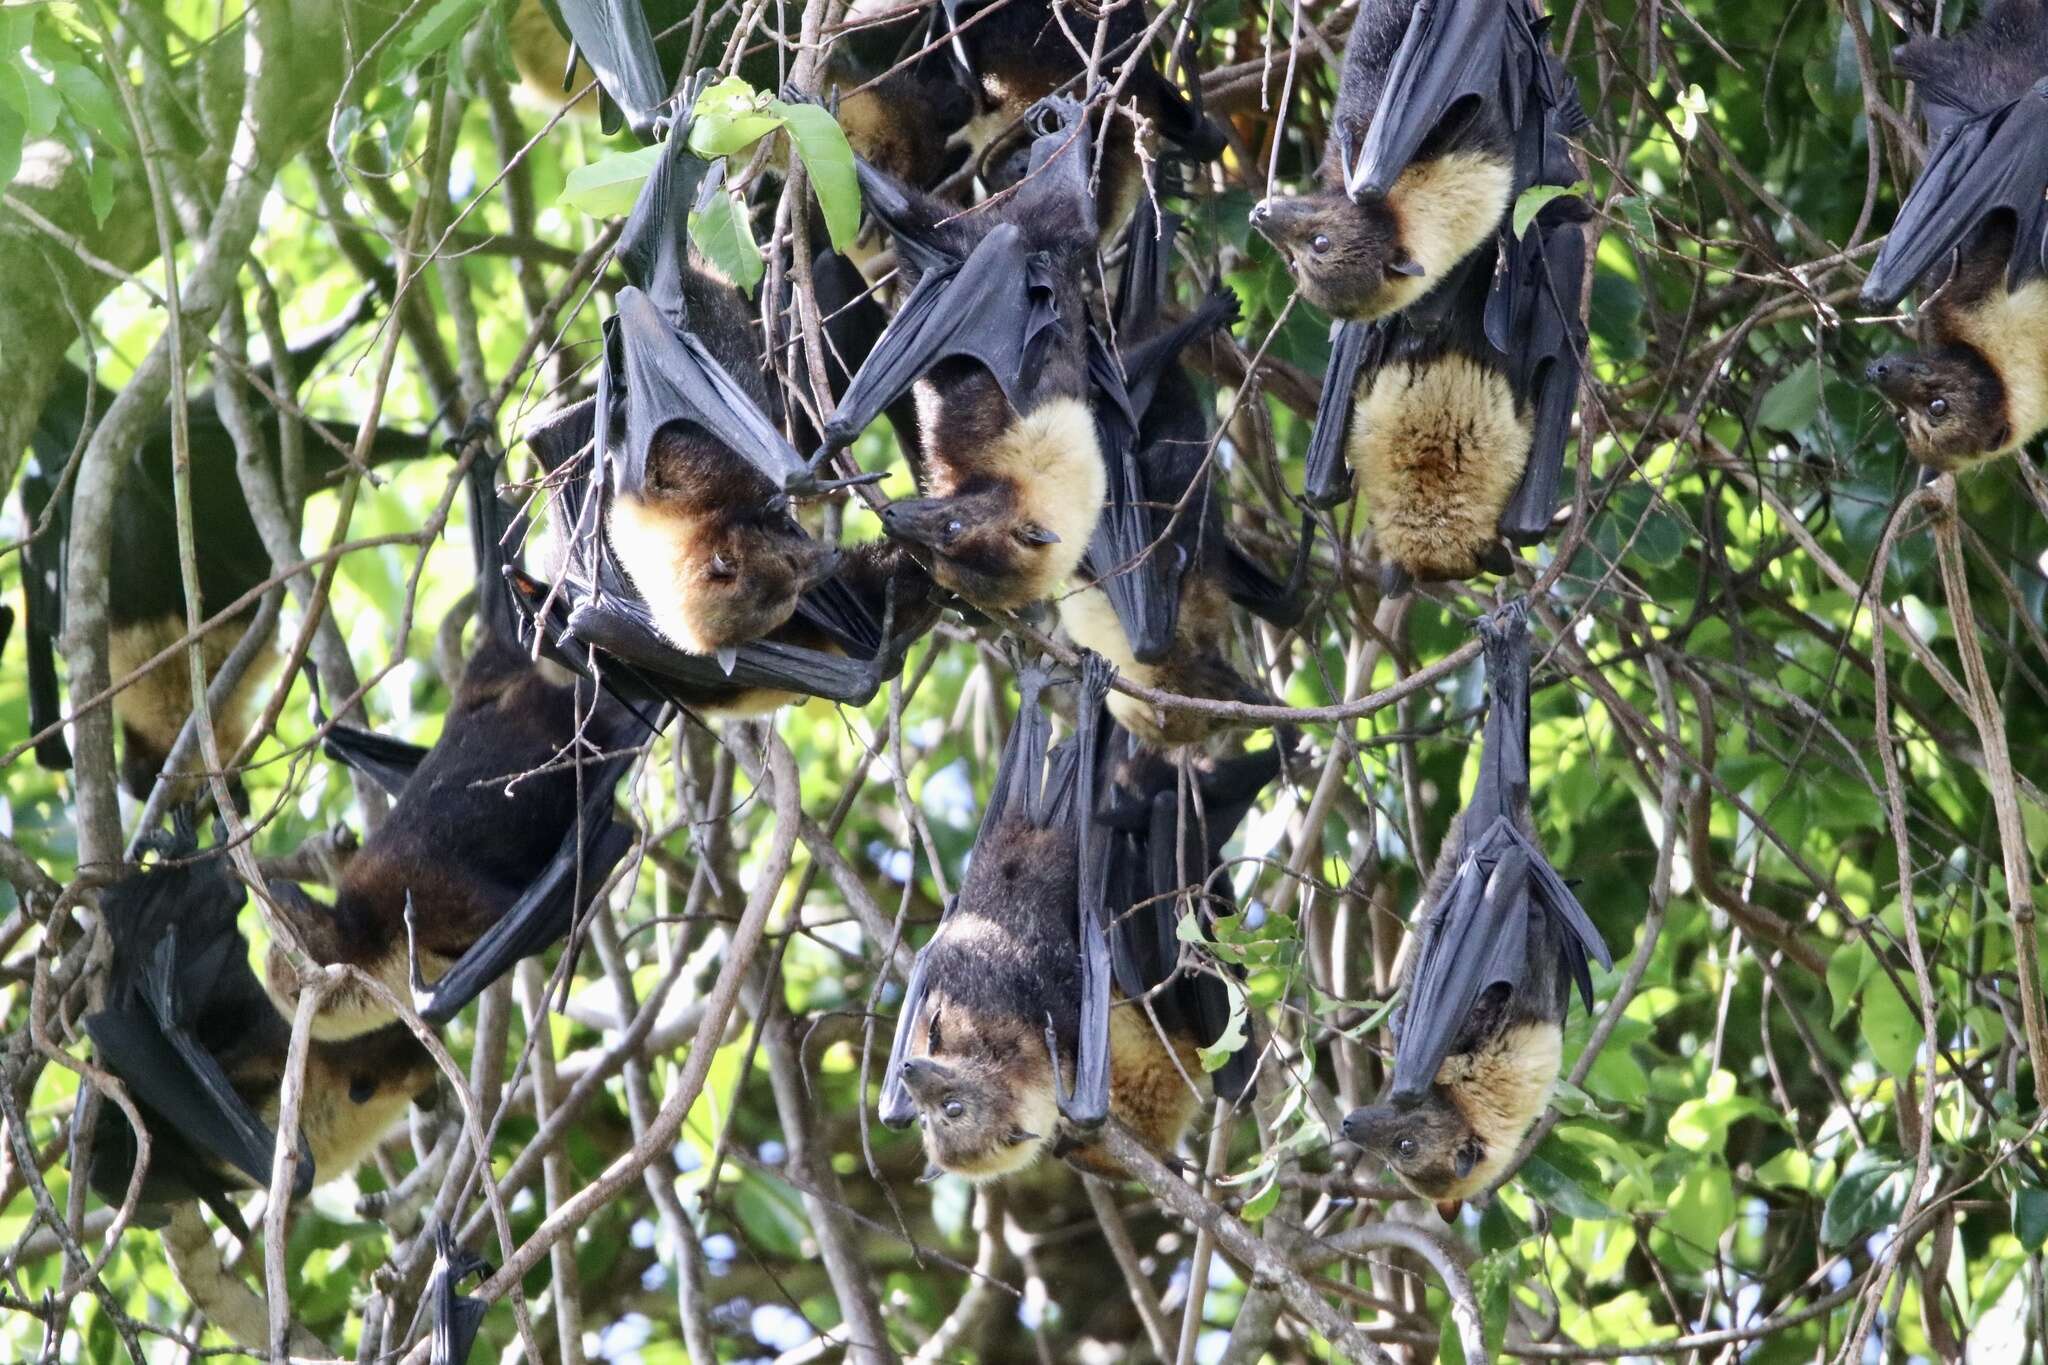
(1012,1043)
(1977,387)
(1479,1035)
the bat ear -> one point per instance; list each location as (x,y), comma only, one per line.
(931,1173)
(1031,533)
(1467,1158)
(1404,265)
(1019,1135)
(722,570)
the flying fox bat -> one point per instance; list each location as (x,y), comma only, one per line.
(500,834)
(1162,574)
(1977,387)
(456,1316)
(1011,1043)
(846,636)
(145,591)
(1003,1043)
(1010,54)
(1454,425)
(1429,146)
(1479,1034)
(1166,861)
(994,338)
(191,1032)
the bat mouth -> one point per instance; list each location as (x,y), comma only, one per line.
(920,521)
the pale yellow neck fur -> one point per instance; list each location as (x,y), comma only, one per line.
(1500,1090)
(1446,208)
(2013,328)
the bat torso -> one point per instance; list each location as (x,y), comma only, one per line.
(1156,1083)
(1437,444)
(1196,663)
(455,840)
(154,708)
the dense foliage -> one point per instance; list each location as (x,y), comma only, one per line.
(1791,731)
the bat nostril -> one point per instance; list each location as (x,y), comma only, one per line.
(1877,370)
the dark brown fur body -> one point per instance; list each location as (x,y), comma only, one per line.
(456,841)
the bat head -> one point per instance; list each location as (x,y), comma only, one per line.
(983,546)
(355,1091)
(984,1116)
(721,579)
(1347,259)
(1950,403)
(1427,1142)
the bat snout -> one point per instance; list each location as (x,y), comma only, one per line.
(923,1077)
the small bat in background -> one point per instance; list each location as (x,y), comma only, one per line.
(1977,387)
(467,874)
(457,1317)
(1427,151)
(994,338)
(1010,54)
(845,638)
(145,590)
(1162,575)
(1479,1035)
(190,1030)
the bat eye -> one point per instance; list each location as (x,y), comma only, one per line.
(1405,1149)
(954,1109)
(361,1089)
(1320,243)
(954,528)
(721,569)
(1938,408)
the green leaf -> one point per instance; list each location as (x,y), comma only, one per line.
(1531,201)
(1553,1187)
(1262,1203)
(93,103)
(1218,1054)
(1867,1197)
(608,186)
(1791,404)
(725,237)
(822,145)
(1890,1025)
(12,131)
(23,91)
(438,30)
(1700,1209)
(1848,967)
(1617,313)
(1636,210)
(730,117)
(2030,1217)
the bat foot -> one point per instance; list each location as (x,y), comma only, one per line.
(422,994)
